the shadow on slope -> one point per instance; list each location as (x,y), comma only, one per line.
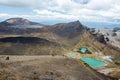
(29,46)
(24,40)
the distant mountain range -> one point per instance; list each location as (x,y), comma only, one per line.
(11,26)
(66,35)
(54,36)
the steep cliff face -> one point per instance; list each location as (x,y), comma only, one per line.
(113,35)
(101,39)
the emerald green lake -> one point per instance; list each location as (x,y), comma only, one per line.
(93,62)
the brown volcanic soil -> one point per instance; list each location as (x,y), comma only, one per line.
(46,68)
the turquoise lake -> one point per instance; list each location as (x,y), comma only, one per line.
(93,62)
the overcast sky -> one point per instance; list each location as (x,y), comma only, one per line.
(103,11)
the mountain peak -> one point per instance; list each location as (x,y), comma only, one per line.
(70,29)
(75,24)
(17,21)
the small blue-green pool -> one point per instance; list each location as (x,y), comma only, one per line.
(83,49)
(93,62)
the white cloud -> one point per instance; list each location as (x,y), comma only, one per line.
(2,15)
(87,10)
(6,16)
(54,15)
(100,4)
(45,12)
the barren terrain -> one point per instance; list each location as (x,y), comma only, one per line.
(46,68)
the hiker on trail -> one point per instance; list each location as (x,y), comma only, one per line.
(7,58)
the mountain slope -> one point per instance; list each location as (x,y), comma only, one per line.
(24,40)
(29,46)
(94,45)
(47,68)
